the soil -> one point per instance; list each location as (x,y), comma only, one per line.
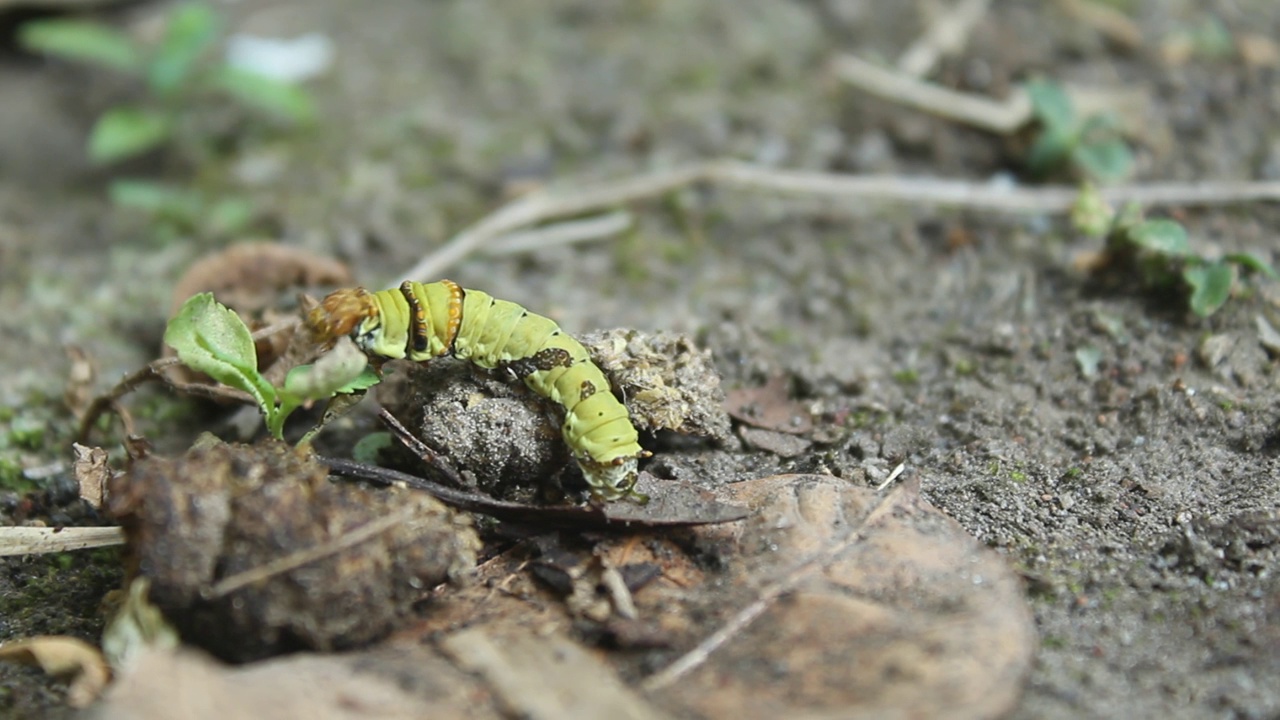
(1137,499)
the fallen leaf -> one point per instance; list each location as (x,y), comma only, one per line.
(778,443)
(393,683)
(546,676)
(249,276)
(845,602)
(769,407)
(64,657)
(92,473)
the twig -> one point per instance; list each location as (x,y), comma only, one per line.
(296,560)
(1109,21)
(547,204)
(1001,117)
(41,540)
(552,203)
(565,233)
(154,371)
(419,448)
(947,35)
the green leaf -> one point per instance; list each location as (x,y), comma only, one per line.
(229,216)
(88,42)
(1210,286)
(368,447)
(1049,151)
(1051,105)
(156,198)
(212,339)
(282,99)
(191,30)
(124,132)
(1252,262)
(1108,161)
(1162,236)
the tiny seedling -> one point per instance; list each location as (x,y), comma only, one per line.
(210,338)
(183,83)
(1092,145)
(1160,251)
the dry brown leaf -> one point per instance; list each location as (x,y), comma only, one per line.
(65,657)
(781,444)
(769,407)
(829,601)
(390,683)
(849,603)
(546,676)
(91,473)
(250,276)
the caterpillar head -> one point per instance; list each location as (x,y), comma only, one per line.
(351,311)
(614,480)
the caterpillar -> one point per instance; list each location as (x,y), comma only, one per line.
(424,321)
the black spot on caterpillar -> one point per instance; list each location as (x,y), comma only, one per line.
(424,321)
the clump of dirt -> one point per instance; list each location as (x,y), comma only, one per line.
(210,531)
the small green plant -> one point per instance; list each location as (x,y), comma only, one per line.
(1092,145)
(1160,252)
(212,339)
(183,81)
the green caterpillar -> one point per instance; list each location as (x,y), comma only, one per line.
(424,321)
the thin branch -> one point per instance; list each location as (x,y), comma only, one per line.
(1001,117)
(1111,22)
(154,371)
(565,201)
(947,35)
(565,233)
(420,449)
(41,540)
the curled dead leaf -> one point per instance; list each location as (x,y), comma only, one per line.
(769,407)
(91,472)
(64,657)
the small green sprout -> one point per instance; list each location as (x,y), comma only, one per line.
(1160,251)
(183,80)
(176,70)
(1093,145)
(212,339)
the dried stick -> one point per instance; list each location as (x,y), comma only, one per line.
(947,35)
(565,233)
(1001,117)
(1112,23)
(420,449)
(41,540)
(154,371)
(553,203)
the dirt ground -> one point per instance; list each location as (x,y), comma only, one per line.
(1138,502)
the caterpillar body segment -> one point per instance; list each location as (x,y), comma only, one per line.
(423,321)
